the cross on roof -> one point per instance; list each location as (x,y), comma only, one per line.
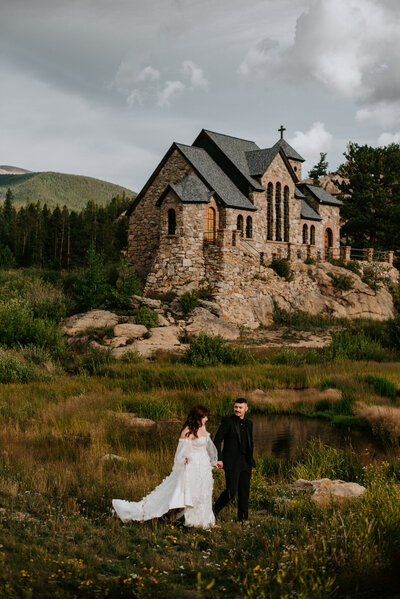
(281,130)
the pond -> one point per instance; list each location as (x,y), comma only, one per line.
(285,436)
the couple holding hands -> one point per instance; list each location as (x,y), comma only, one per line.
(189,486)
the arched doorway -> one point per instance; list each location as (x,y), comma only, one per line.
(211,225)
(328,242)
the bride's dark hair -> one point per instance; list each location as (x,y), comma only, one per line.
(193,420)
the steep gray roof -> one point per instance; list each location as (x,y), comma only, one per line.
(191,190)
(234,149)
(215,178)
(308,211)
(322,196)
(289,151)
(299,195)
(259,160)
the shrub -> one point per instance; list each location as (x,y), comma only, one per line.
(131,357)
(189,301)
(291,357)
(36,353)
(95,359)
(13,371)
(355,346)
(382,386)
(309,260)
(395,291)
(374,277)
(91,285)
(297,319)
(127,284)
(206,350)
(147,317)
(354,266)
(282,268)
(342,282)
(46,301)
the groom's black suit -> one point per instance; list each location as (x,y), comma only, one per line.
(237,457)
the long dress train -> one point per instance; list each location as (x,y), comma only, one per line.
(189,487)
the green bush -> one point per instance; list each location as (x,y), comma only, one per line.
(373,277)
(342,282)
(13,371)
(291,357)
(47,301)
(189,301)
(127,284)
(382,386)
(36,353)
(147,317)
(282,268)
(355,346)
(206,350)
(94,360)
(297,319)
(309,260)
(354,266)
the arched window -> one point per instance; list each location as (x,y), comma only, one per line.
(312,235)
(278,213)
(249,227)
(305,234)
(239,224)
(270,221)
(286,214)
(328,238)
(211,224)
(171,222)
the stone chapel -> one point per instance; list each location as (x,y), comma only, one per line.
(218,211)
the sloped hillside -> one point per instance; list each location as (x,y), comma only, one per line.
(60,189)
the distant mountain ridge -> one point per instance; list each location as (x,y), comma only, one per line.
(57,189)
(12,170)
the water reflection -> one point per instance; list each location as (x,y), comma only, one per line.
(285,436)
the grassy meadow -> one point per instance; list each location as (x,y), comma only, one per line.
(59,538)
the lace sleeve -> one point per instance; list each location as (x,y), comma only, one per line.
(212,451)
(182,452)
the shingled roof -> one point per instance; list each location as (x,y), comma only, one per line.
(308,211)
(215,178)
(289,151)
(191,190)
(230,153)
(322,196)
(259,160)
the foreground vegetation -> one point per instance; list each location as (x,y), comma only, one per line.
(59,538)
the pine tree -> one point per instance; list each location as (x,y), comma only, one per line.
(319,170)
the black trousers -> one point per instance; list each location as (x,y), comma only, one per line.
(237,482)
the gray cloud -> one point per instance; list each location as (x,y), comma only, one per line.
(103,88)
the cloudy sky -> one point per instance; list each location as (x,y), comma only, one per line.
(103,87)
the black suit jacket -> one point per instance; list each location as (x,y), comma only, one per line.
(229,434)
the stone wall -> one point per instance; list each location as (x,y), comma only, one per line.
(144,223)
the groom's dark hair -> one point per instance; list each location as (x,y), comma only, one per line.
(240,400)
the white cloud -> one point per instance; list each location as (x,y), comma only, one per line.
(135,97)
(389,138)
(311,143)
(148,74)
(171,89)
(350,47)
(195,74)
(383,113)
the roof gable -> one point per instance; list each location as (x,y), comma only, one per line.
(230,154)
(318,193)
(191,190)
(289,151)
(260,160)
(307,212)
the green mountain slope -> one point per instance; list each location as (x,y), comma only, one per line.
(59,189)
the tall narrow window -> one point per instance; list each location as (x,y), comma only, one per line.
(211,224)
(278,213)
(270,222)
(171,222)
(249,227)
(239,224)
(312,235)
(286,213)
(305,234)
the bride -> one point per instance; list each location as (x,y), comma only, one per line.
(189,486)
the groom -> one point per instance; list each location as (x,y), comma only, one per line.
(236,458)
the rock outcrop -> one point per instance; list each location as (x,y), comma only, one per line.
(324,490)
(95,319)
(203,321)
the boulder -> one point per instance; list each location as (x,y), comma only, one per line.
(162,321)
(137,300)
(212,307)
(203,321)
(133,420)
(162,338)
(112,457)
(95,319)
(324,490)
(131,331)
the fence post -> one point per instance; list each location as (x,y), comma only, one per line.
(389,257)
(345,252)
(368,254)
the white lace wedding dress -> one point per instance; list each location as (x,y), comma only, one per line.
(189,486)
